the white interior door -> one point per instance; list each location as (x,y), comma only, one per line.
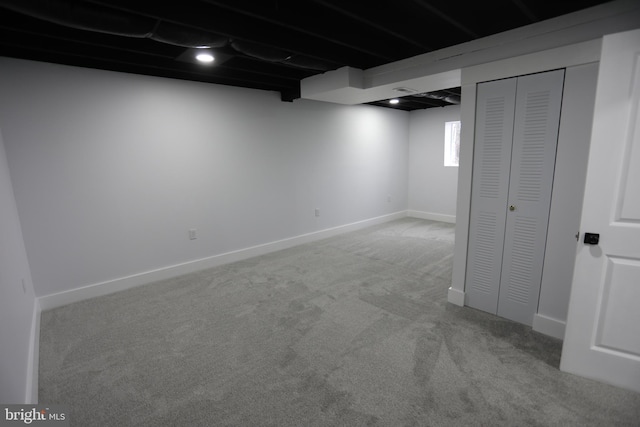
(602,339)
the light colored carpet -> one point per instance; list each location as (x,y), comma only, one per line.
(350,331)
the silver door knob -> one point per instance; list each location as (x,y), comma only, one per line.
(512,208)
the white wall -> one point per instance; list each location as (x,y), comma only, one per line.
(432,186)
(110,170)
(17,303)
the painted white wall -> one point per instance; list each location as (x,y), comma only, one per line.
(568,190)
(110,170)
(432,186)
(17,303)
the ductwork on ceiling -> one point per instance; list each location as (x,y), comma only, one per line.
(446,96)
(258,51)
(91,17)
(442,95)
(101,19)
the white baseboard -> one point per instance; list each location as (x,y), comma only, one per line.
(456,296)
(31,394)
(432,216)
(549,326)
(104,288)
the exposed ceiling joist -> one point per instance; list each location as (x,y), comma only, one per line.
(306,29)
(447,18)
(361,18)
(525,9)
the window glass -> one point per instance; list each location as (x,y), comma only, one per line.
(451,143)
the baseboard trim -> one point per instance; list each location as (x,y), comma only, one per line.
(432,216)
(48,302)
(456,296)
(549,326)
(31,394)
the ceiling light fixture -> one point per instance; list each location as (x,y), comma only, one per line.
(205,57)
(394,101)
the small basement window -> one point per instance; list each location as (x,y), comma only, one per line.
(451,143)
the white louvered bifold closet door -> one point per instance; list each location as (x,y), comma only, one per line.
(535,138)
(511,198)
(495,108)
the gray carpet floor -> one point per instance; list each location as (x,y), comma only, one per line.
(354,330)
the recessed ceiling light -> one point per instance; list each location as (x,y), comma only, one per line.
(394,101)
(205,57)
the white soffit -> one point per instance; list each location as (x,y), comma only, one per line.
(441,69)
(346,86)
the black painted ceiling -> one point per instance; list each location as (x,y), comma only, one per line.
(269,44)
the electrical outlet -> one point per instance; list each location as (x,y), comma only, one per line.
(317,212)
(192,234)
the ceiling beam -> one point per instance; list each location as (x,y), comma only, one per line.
(300,29)
(15,34)
(427,101)
(370,23)
(275,69)
(525,9)
(447,18)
